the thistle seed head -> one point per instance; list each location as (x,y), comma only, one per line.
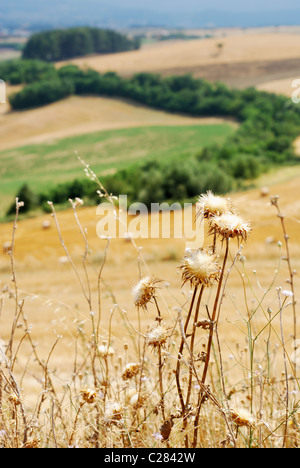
(229,225)
(88,395)
(113,414)
(157,336)
(144,291)
(130,370)
(200,267)
(213,205)
(242,417)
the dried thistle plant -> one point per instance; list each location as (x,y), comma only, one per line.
(200,268)
(241,417)
(144,291)
(89,395)
(131,370)
(230,226)
(158,336)
(213,205)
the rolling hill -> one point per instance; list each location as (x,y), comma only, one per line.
(246,58)
(81,115)
(110,135)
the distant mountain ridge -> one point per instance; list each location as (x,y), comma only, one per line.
(117,14)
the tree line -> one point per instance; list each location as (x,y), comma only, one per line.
(63,44)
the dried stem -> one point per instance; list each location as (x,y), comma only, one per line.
(214,314)
(275,202)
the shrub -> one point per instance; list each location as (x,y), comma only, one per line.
(41,93)
(26,71)
(30,199)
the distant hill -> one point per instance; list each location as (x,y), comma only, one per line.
(117,13)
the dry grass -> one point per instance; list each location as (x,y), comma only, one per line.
(282,86)
(182,54)
(247,58)
(61,380)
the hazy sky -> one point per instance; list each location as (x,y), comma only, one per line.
(183,13)
(161,5)
(238,5)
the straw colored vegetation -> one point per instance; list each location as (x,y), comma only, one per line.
(244,58)
(251,47)
(135,343)
(283,86)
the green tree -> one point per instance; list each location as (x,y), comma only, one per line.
(25,195)
(63,44)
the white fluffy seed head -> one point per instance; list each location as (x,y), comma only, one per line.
(200,267)
(229,225)
(211,205)
(144,291)
(157,336)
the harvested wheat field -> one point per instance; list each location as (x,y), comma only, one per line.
(244,59)
(90,366)
(283,86)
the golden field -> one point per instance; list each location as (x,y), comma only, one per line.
(245,58)
(53,297)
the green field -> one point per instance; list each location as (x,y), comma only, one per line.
(45,165)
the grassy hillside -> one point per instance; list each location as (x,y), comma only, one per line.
(44,165)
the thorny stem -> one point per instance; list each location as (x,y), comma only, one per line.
(204,392)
